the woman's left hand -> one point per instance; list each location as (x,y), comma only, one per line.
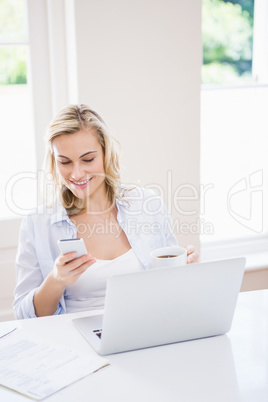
(192,254)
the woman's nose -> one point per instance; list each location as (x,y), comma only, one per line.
(78,172)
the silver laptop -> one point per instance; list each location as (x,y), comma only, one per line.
(165,305)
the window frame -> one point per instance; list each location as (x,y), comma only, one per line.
(254,247)
(47,80)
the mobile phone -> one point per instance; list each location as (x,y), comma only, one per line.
(70,245)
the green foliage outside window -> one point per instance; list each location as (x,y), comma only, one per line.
(13,65)
(227,30)
(12,29)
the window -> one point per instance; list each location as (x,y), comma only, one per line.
(234,124)
(227,31)
(17,153)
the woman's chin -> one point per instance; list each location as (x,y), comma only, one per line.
(82,194)
(88,191)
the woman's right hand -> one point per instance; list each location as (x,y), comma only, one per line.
(66,272)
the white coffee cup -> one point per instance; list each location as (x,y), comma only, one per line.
(166,257)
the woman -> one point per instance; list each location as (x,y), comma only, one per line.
(120,225)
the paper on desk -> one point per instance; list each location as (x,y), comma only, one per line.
(7,327)
(38,368)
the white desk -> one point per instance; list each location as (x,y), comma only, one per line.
(228,368)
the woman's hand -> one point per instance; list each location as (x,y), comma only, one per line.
(192,254)
(47,296)
(67,269)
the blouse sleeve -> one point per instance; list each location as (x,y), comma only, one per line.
(170,238)
(28,273)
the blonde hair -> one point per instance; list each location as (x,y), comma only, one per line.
(68,121)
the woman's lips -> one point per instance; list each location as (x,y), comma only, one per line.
(81,183)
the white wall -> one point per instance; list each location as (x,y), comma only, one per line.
(138,65)
(8,245)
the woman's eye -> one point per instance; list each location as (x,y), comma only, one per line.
(64,163)
(68,162)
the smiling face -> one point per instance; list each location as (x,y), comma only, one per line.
(80,163)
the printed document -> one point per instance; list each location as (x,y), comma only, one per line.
(38,368)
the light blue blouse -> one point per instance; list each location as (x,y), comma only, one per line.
(141,214)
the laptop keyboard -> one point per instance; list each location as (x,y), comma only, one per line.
(97,332)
